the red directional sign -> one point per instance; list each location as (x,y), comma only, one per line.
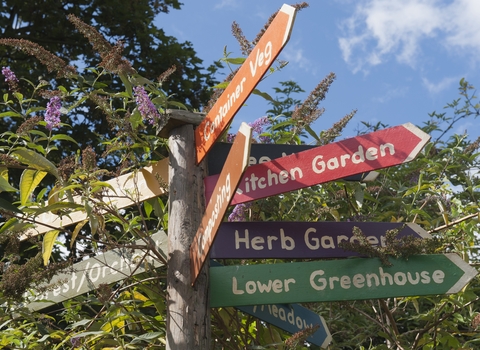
(243,83)
(226,185)
(380,149)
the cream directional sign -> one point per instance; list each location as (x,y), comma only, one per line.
(292,318)
(380,149)
(252,70)
(337,280)
(110,267)
(300,240)
(128,189)
(227,183)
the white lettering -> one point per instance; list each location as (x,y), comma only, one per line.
(287,242)
(259,58)
(320,281)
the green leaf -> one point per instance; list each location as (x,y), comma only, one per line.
(8,224)
(39,133)
(10,114)
(34,109)
(135,119)
(8,206)
(281,125)
(19,96)
(75,232)
(148,336)
(139,80)
(99,185)
(238,60)
(28,182)
(37,147)
(5,186)
(221,85)
(122,94)
(63,137)
(148,208)
(128,85)
(312,133)
(58,206)
(176,104)
(359,194)
(36,161)
(48,242)
(263,94)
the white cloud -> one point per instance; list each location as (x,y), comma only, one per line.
(463,24)
(381,29)
(295,56)
(444,84)
(226,3)
(391,93)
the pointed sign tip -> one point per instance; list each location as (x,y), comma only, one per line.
(469,272)
(423,136)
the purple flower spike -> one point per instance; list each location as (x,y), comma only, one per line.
(52,115)
(10,78)
(9,75)
(239,213)
(258,124)
(257,127)
(147,109)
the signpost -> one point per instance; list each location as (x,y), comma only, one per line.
(129,188)
(300,240)
(243,83)
(289,317)
(380,149)
(292,318)
(338,280)
(225,188)
(113,266)
(264,152)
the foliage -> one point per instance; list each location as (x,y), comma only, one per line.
(45,169)
(129,25)
(438,191)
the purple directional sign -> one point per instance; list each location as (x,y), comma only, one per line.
(297,240)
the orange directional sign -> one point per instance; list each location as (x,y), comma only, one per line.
(243,83)
(235,165)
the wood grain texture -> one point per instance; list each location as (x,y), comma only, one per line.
(188,314)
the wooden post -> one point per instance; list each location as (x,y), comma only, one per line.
(188,311)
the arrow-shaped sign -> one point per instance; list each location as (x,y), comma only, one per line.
(110,267)
(252,70)
(217,205)
(264,152)
(337,280)
(122,191)
(380,149)
(300,240)
(292,318)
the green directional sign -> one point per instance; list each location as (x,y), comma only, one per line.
(337,280)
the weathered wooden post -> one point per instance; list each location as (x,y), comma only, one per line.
(188,312)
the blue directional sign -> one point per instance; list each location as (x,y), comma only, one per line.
(292,318)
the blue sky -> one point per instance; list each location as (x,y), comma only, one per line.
(396,61)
